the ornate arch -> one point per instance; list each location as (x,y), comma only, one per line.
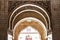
(47,19)
(35,23)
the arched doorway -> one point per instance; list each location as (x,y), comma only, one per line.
(29,13)
(29,33)
(30,23)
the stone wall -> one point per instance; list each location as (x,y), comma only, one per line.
(55,10)
(3,21)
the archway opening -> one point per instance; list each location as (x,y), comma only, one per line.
(29,33)
(33,22)
(43,15)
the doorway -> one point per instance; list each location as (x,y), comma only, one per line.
(30,28)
